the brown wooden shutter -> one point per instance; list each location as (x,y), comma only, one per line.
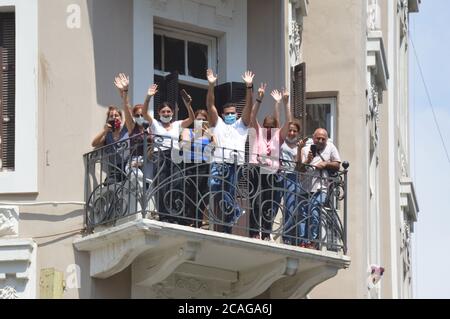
(159,96)
(171,83)
(167,92)
(230,92)
(234,92)
(7,90)
(299,94)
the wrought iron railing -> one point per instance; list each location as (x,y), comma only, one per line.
(148,175)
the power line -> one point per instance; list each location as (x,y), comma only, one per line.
(429,100)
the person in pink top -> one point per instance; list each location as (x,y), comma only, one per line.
(265,142)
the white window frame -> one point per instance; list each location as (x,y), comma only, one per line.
(187,36)
(24,177)
(332,102)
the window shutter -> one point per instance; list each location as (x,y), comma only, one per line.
(7,90)
(159,96)
(234,92)
(299,93)
(167,92)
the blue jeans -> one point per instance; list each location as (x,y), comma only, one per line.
(223,183)
(295,199)
(317,201)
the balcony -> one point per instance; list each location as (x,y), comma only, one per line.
(190,231)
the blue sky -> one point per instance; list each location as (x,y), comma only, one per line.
(430,32)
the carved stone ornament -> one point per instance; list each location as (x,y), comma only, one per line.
(373,15)
(8,221)
(374,108)
(402,8)
(8,293)
(295,43)
(406,248)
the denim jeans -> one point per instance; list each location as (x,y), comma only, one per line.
(295,199)
(223,182)
(317,201)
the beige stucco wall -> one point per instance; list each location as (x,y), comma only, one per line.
(385,157)
(265,54)
(391,138)
(334,51)
(75,87)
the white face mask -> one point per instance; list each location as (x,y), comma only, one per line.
(291,140)
(139,120)
(166,119)
(198,123)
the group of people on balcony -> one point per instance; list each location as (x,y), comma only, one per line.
(281,166)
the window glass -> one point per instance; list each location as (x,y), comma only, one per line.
(174,55)
(157,54)
(318,115)
(197,60)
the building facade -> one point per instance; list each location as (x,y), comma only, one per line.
(346,64)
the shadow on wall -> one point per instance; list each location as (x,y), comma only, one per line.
(111,22)
(114,287)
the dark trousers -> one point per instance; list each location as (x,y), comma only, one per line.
(265,199)
(168,181)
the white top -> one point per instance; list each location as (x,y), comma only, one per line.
(329,154)
(230,139)
(288,156)
(169,135)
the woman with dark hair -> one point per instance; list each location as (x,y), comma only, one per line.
(167,171)
(195,155)
(113,132)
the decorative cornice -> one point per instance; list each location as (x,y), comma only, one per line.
(376,58)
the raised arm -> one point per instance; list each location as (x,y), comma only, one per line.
(188,103)
(246,113)
(255,109)
(210,100)
(276,109)
(122,81)
(287,114)
(152,90)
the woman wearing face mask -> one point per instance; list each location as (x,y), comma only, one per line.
(265,149)
(294,217)
(195,142)
(113,131)
(167,133)
(134,121)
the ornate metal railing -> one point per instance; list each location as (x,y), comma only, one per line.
(292,204)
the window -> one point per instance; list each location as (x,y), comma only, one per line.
(19,96)
(7,91)
(321,113)
(188,55)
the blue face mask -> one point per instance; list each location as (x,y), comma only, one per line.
(230,118)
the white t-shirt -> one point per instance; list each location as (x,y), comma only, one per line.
(169,135)
(230,140)
(288,157)
(313,180)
